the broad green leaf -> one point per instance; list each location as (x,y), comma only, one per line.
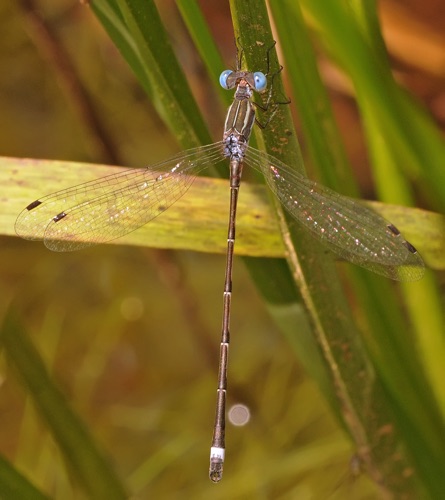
(198,221)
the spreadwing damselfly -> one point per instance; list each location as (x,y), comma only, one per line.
(112,206)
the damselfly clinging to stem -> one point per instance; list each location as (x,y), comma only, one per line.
(107,208)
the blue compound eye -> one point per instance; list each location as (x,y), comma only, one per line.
(260,81)
(223,78)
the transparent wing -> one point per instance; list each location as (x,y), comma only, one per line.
(345,226)
(107,208)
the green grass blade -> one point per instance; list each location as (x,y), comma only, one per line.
(148,45)
(110,17)
(408,368)
(419,142)
(205,44)
(323,296)
(426,314)
(323,138)
(84,459)
(14,485)
(423,299)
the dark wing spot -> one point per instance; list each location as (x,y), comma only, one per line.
(393,229)
(59,216)
(33,205)
(410,247)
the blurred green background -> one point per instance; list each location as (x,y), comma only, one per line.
(132,334)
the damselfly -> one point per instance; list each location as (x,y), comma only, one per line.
(107,208)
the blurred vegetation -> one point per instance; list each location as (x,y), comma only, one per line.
(130,335)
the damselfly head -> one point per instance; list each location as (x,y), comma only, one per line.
(230,79)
